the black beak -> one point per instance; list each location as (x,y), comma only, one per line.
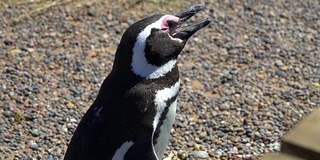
(187,32)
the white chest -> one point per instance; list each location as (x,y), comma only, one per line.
(161,98)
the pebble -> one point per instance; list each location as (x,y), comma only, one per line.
(7,113)
(91,12)
(203,135)
(248,145)
(35,132)
(1,121)
(196,147)
(244,140)
(190,144)
(182,155)
(70,105)
(275,146)
(224,106)
(218,152)
(8,41)
(220,134)
(200,154)
(268,133)
(279,63)
(34,146)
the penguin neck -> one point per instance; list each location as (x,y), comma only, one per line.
(142,68)
(137,67)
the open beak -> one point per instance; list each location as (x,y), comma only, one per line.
(187,32)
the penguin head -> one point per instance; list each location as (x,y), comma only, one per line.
(156,41)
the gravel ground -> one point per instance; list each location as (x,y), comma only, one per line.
(247,79)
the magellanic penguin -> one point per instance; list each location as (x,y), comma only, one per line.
(133,113)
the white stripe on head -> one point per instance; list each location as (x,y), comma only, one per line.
(120,152)
(140,65)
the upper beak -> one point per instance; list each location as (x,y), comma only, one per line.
(187,32)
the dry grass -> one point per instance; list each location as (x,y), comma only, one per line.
(32,8)
(37,7)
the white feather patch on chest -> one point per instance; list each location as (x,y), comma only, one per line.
(120,152)
(140,65)
(161,98)
(165,129)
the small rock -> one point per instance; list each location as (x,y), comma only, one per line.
(74,90)
(202,135)
(34,146)
(268,134)
(8,41)
(190,144)
(278,63)
(70,105)
(182,155)
(15,51)
(224,106)
(284,68)
(7,113)
(200,154)
(197,140)
(35,133)
(316,84)
(50,157)
(91,13)
(197,147)
(281,73)
(244,140)
(268,39)
(220,134)
(223,51)
(211,154)
(275,146)
(218,152)
(64,128)
(233,51)
(19,116)
(235,150)
(248,145)
(70,126)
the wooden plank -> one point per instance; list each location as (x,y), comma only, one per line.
(279,156)
(304,140)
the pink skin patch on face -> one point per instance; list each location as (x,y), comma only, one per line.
(165,26)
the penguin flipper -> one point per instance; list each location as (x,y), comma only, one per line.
(141,149)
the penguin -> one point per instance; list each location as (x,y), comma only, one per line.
(133,113)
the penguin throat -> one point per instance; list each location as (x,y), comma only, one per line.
(142,68)
(140,65)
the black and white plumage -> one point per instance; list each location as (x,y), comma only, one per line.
(133,113)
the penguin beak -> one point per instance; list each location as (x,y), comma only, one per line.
(186,32)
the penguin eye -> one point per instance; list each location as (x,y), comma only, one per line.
(164,29)
(153,30)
